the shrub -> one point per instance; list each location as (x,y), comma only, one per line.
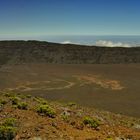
(10,122)
(3,102)
(41,100)
(46,110)
(7,95)
(22,96)
(28,96)
(71,104)
(8,130)
(22,105)
(14,100)
(1,105)
(91,122)
(109,138)
(65,117)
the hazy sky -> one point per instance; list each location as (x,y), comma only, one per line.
(70,17)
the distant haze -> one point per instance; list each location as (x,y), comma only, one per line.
(110,41)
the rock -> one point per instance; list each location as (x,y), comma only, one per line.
(79,126)
(54,124)
(137,126)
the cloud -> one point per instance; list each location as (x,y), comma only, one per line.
(67,42)
(111,44)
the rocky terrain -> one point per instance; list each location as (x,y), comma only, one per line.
(42,97)
(19,52)
(26,117)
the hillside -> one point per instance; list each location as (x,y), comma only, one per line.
(33,118)
(19,52)
(42,97)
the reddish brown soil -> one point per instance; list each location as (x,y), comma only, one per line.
(32,125)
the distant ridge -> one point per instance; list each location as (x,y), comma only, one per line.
(19,52)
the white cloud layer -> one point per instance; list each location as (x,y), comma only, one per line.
(111,44)
(66,42)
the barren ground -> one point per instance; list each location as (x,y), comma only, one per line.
(113,88)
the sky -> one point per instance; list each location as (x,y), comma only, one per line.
(69,17)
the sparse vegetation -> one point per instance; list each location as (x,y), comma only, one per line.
(15,123)
(7,95)
(7,132)
(15,100)
(28,96)
(91,122)
(22,105)
(109,138)
(9,122)
(3,102)
(46,110)
(71,104)
(22,96)
(40,100)
(8,129)
(65,117)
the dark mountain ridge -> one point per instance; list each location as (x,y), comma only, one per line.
(20,52)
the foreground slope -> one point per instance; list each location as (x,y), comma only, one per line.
(25,117)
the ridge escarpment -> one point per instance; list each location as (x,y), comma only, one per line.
(18,52)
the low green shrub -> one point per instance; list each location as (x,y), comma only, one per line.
(65,117)
(7,132)
(28,96)
(22,96)
(71,104)
(10,122)
(15,100)
(91,122)
(8,129)
(3,102)
(7,95)
(22,105)
(46,110)
(40,100)
(109,138)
